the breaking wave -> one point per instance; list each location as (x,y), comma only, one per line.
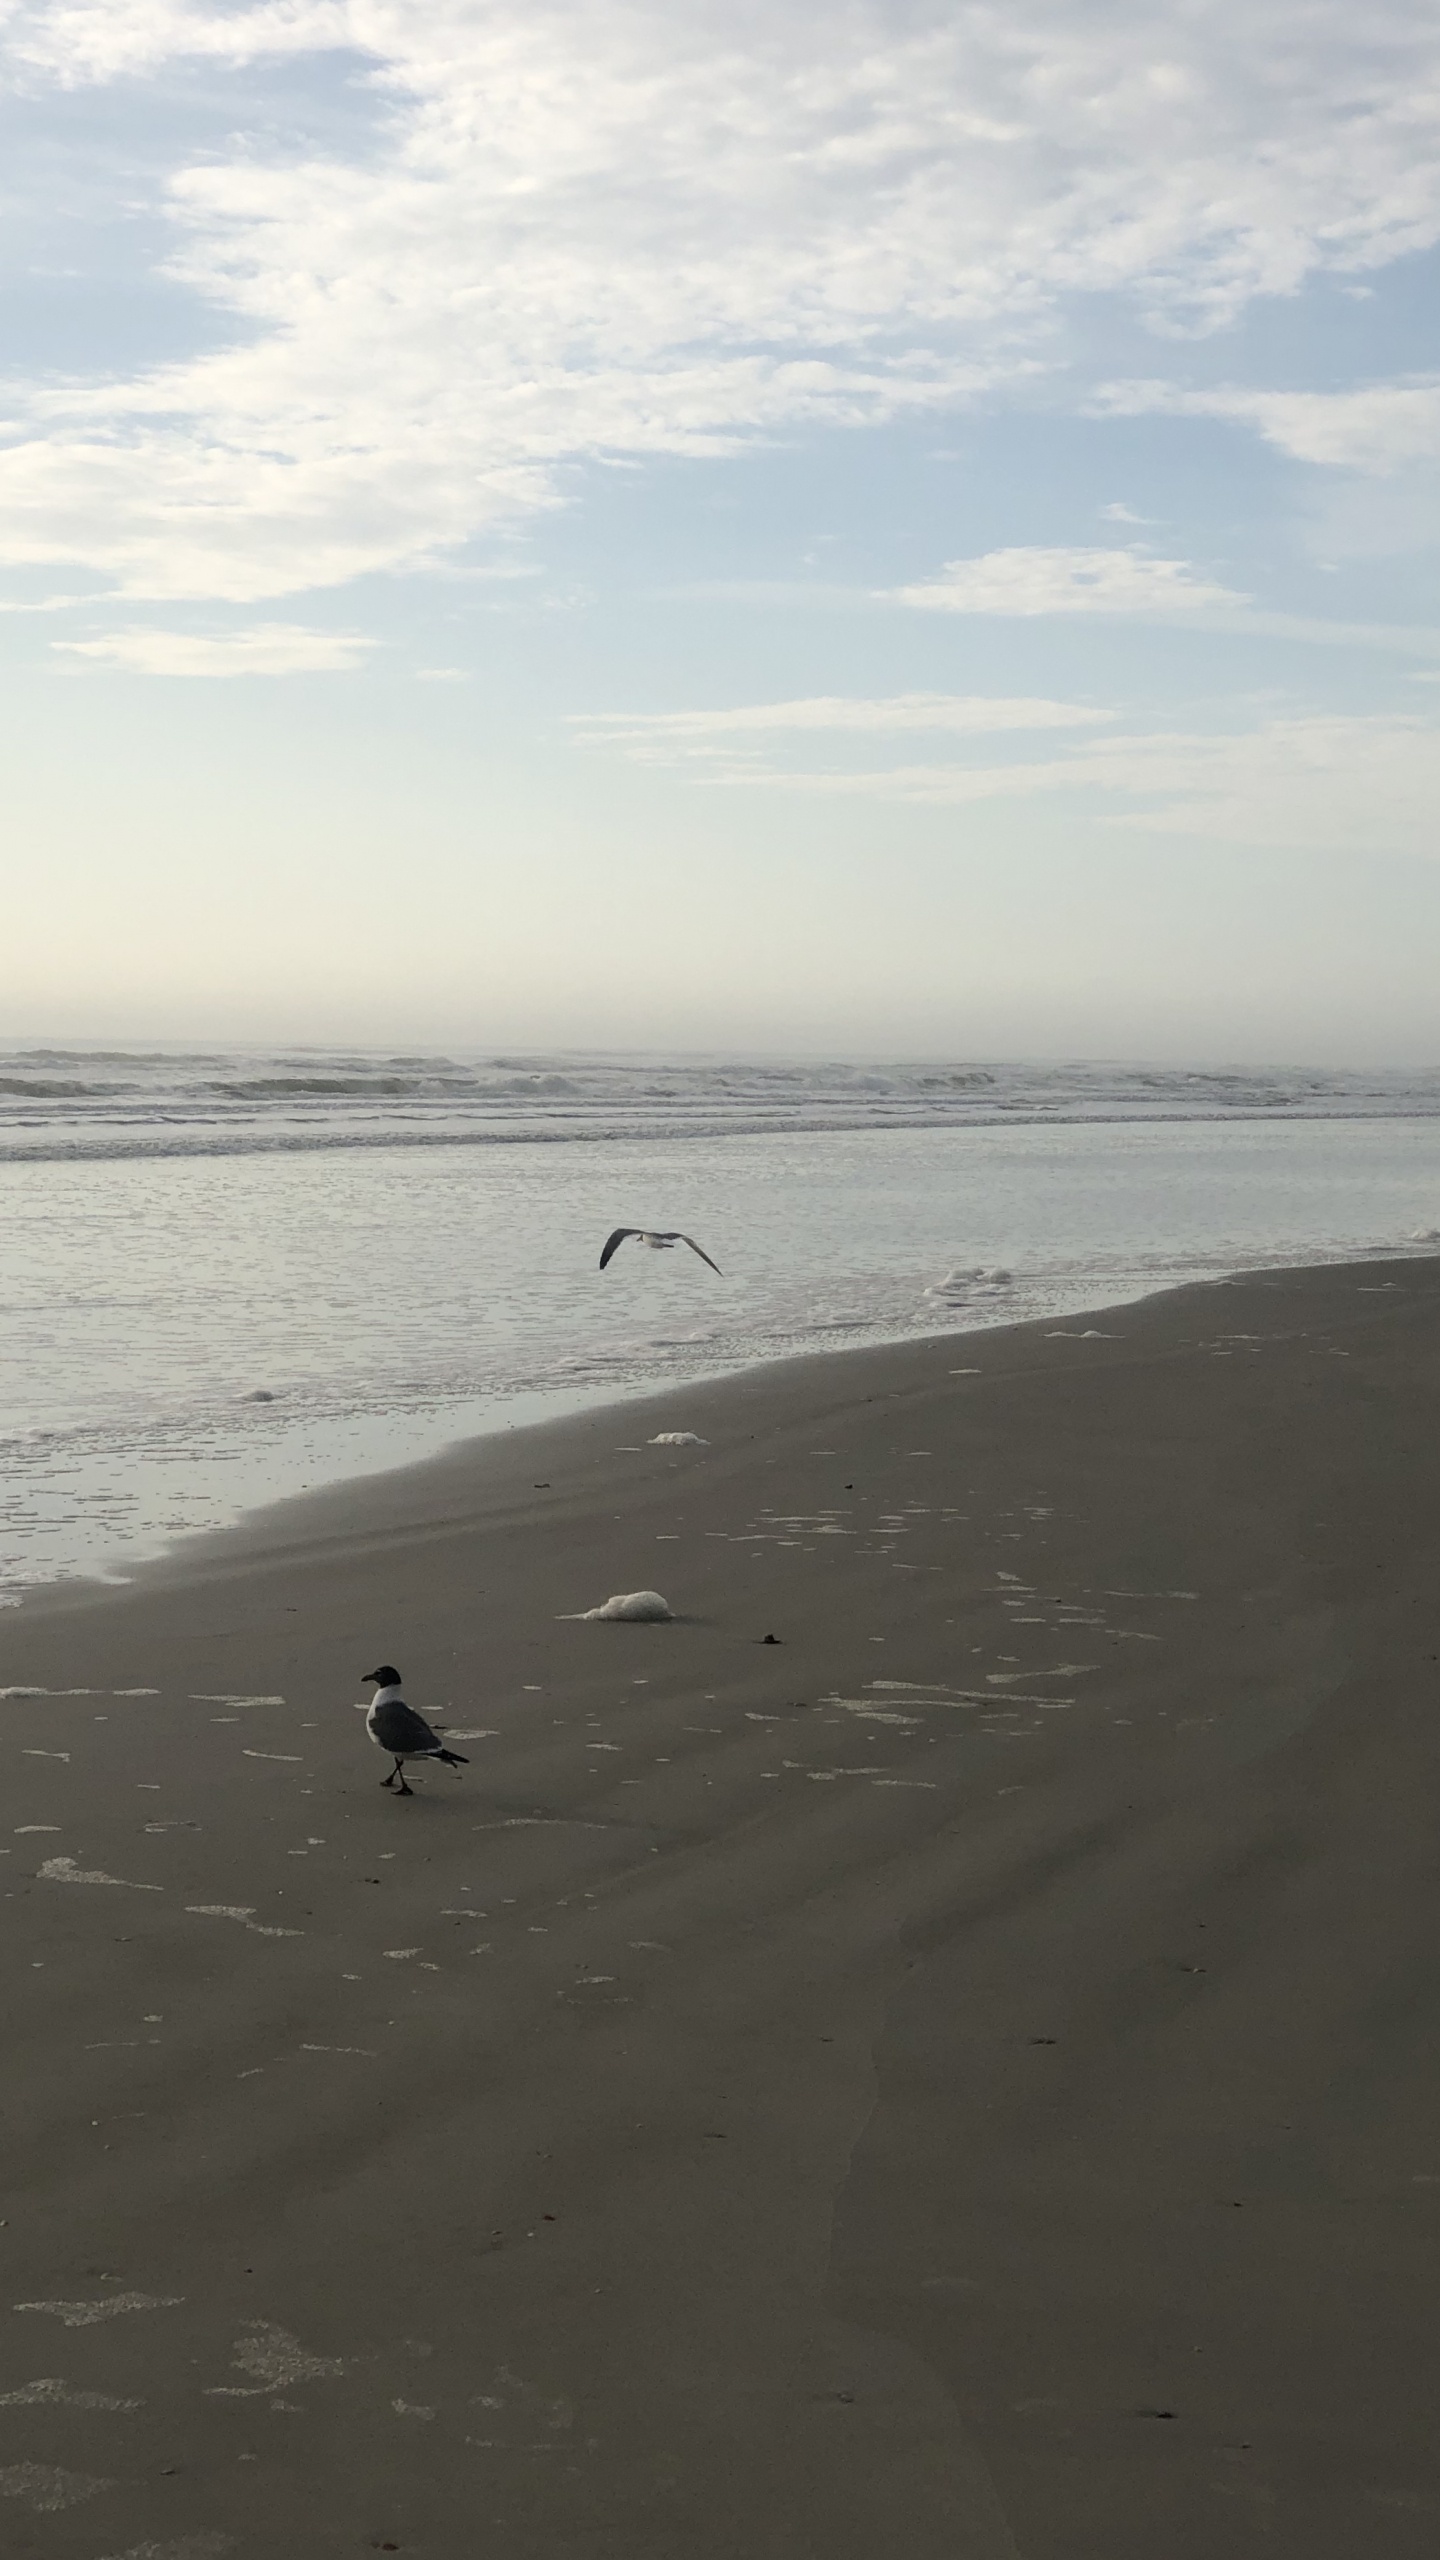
(83,1103)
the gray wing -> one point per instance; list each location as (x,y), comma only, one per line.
(397,1727)
(700,1249)
(618,1238)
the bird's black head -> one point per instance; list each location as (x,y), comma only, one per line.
(387,1677)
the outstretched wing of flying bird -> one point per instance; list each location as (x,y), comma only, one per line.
(700,1249)
(656,1235)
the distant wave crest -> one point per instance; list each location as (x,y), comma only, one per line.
(50,1089)
(75,1103)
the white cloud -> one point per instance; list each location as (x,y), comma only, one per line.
(1382,427)
(95,40)
(1327,781)
(578,228)
(658,736)
(1364,784)
(267,649)
(47,604)
(1030,579)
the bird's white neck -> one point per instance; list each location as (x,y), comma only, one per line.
(381,1695)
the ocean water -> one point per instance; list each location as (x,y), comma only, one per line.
(227,1277)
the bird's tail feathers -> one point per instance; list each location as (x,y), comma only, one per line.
(454,1759)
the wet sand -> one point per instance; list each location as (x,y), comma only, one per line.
(960,2082)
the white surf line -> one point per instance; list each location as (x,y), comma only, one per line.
(30,1751)
(921,1693)
(245,1915)
(224,1698)
(28,1692)
(65,1871)
(292,1756)
(191,2546)
(51,2393)
(554,1822)
(965,1698)
(871,1770)
(1003,1706)
(916,1688)
(85,2315)
(366,2052)
(1150,1595)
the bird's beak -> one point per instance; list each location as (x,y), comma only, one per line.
(369,1675)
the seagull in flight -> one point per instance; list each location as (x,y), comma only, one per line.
(661,1238)
(396,1729)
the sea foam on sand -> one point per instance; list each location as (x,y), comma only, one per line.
(627,1604)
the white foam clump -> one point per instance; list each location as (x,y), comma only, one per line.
(628,1604)
(678,1440)
(65,1871)
(976,1280)
(274,2358)
(225,1698)
(50,2392)
(45,2488)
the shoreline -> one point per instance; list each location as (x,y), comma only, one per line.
(287,1368)
(959,2080)
(248,1532)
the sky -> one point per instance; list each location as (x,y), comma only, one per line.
(883,529)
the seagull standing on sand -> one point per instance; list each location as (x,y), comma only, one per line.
(660,1238)
(396,1730)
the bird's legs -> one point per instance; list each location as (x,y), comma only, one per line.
(398,1772)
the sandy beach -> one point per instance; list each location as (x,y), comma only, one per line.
(960,2081)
